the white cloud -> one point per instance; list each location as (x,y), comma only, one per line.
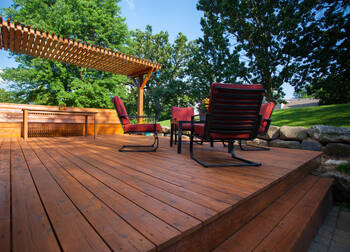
(131,4)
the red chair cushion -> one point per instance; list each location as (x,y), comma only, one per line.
(265,111)
(146,127)
(122,113)
(199,130)
(182,114)
(185,126)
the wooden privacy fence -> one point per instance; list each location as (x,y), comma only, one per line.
(11,121)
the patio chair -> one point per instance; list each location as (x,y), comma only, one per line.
(180,121)
(265,112)
(128,128)
(233,114)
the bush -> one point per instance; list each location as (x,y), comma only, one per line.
(345,168)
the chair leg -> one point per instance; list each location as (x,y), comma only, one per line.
(254,148)
(171,135)
(175,132)
(179,142)
(245,161)
(229,146)
(154,146)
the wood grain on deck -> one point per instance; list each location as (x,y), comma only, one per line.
(79,194)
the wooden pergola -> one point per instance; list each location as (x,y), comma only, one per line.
(36,43)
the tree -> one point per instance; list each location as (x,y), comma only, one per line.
(8,96)
(169,87)
(263,33)
(41,81)
(323,45)
(213,59)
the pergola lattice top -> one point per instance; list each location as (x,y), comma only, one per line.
(24,40)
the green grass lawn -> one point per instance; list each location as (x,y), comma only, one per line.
(165,123)
(334,115)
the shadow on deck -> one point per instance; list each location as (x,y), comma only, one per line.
(82,194)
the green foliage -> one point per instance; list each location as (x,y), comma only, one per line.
(168,87)
(304,43)
(8,96)
(41,81)
(334,115)
(213,59)
(344,168)
(263,33)
(302,93)
(323,45)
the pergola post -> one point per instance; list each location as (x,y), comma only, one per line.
(141,83)
(139,99)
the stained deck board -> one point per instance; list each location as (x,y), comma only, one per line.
(145,201)
(247,238)
(155,179)
(126,185)
(5,200)
(147,167)
(107,223)
(72,229)
(170,215)
(183,177)
(219,173)
(151,227)
(30,224)
(290,230)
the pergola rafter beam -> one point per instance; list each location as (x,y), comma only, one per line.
(25,40)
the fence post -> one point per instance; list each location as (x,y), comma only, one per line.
(25,124)
(86,125)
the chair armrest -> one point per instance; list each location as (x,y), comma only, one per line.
(144,116)
(194,121)
(136,116)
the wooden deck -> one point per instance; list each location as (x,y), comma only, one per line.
(78,194)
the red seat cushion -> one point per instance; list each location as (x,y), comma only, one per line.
(146,127)
(265,112)
(199,130)
(185,126)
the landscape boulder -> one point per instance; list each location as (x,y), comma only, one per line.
(337,150)
(272,133)
(165,130)
(341,185)
(330,134)
(285,144)
(311,144)
(257,141)
(293,133)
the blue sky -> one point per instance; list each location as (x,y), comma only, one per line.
(163,15)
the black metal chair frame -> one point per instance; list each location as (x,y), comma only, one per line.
(178,133)
(252,130)
(155,144)
(254,147)
(178,136)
